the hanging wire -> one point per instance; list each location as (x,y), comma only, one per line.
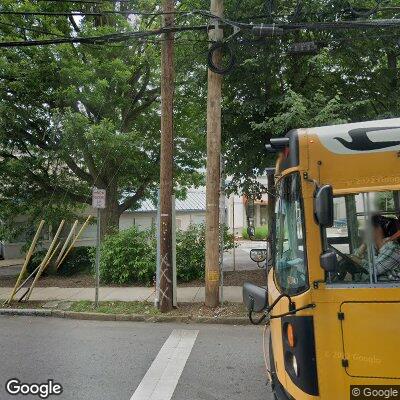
(368,13)
(85,1)
(90,13)
(110,38)
(32,29)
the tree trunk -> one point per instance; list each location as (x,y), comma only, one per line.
(109,216)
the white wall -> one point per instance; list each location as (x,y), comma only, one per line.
(143,220)
(236,214)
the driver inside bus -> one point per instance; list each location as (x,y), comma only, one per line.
(387,245)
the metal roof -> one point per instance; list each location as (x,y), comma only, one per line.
(195,201)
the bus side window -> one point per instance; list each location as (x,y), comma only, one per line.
(352,237)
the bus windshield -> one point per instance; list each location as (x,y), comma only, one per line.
(366,238)
(290,257)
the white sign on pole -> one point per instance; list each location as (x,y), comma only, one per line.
(98,201)
(99,198)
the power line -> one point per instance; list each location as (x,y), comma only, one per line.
(260,29)
(115,37)
(37,30)
(87,1)
(89,13)
(381,23)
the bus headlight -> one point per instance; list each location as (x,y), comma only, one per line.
(294,365)
(291,362)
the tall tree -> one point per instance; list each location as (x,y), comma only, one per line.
(352,77)
(77,116)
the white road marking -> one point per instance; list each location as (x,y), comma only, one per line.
(161,379)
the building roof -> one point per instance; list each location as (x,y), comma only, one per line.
(195,201)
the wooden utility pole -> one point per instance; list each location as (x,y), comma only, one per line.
(166,161)
(213,168)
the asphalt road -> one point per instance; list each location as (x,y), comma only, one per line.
(96,360)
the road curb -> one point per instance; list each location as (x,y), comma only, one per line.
(26,312)
(91,316)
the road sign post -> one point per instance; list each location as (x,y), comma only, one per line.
(98,202)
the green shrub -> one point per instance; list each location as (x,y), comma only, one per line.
(128,256)
(35,260)
(79,260)
(190,260)
(190,252)
(260,234)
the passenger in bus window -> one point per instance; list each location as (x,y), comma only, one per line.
(387,244)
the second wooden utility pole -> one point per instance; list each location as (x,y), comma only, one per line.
(166,161)
(213,167)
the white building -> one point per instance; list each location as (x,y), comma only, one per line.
(188,211)
(191,210)
(236,210)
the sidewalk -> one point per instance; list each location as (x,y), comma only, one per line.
(232,294)
(11,263)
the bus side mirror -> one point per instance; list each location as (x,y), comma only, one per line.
(255,298)
(258,255)
(329,261)
(323,206)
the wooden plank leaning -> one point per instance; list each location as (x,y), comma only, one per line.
(46,258)
(26,262)
(67,240)
(75,239)
(34,272)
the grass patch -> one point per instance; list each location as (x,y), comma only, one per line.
(261,233)
(191,310)
(115,307)
(142,308)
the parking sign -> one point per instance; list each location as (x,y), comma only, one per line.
(99,198)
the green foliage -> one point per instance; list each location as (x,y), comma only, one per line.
(35,260)
(93,111)
(190,259)
(385,201)
(79,260)
(128,256)
(77,116)
(115,307)
(353,77)
(261,233)
(190,252)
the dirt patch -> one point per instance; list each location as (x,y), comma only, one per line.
(34,304)
(238,278)
(231,278)
(75,281)
(200,310)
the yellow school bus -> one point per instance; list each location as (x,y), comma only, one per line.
(333,292)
